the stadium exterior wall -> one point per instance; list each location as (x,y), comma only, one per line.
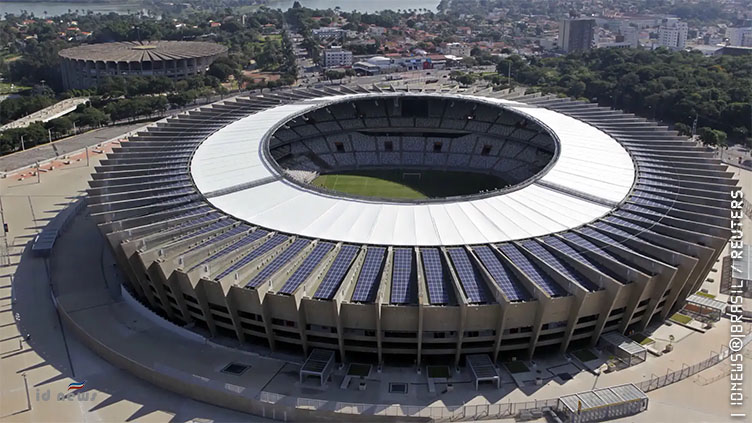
(87,73)
(661,265)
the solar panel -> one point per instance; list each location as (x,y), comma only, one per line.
(561,266)
(256,253)
(246,240)
(614,219)
(508,283)
(642,219)
(575,255)
(219,238)
(403,277)
(615,231)
(532,271)
(646,202)
(636,208)
(365,287)
(319,251)
(205,229)
(435,278)
(469,278)
(278,262)
(336,273)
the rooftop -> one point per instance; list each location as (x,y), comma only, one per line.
(142,51)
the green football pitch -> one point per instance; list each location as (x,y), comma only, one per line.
(408,185)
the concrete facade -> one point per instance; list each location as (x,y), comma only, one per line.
(645,257)
(86,66)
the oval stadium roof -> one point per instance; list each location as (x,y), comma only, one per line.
(143,51)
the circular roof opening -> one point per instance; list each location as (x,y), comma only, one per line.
(411,148)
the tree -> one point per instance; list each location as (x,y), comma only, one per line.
(91,116)
(333,74)
(220,70)
(708,136)
(182,98)
(61,125)
(683,129)
(721,137)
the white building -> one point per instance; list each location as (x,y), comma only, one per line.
(457,49)
(739,37)
(630,35)
(336,56)
(672,34)
(328,32)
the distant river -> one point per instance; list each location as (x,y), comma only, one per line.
(41,9)
(359,5)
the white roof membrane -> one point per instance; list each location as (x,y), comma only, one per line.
(593,172)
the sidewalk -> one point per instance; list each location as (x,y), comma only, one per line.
(61,108)
(40,153)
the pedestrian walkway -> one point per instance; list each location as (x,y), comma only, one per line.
(57,110)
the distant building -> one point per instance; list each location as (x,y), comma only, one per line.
(329,32)
(615,44)
(377,30)
(380,64)
(672,34)
(739,37)
(630,35)
(336,56)
(457,49)
(576,34)
(734,51)
(87,65)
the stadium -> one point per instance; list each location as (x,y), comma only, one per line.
(415,226)
(86,65)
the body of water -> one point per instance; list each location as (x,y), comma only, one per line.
(359,5)
(42,9)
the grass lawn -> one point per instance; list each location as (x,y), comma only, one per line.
(584,355)
(516,367)
(407,185)
(5,88)
(681,318)
(705,294)
(642,339)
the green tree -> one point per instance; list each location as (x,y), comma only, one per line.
(682,128)
(91,116)
(708,136)
(61,125)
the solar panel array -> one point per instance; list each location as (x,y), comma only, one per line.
(548,285)
(365,287)
(165,188)
(319,251)
(403,277)
(279,261)
(562,267)
(221,237)
(256,253)
(246,240)
(507,281)
(436,279)
(336,272)
(582,258)
(472,284)
(605,238)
